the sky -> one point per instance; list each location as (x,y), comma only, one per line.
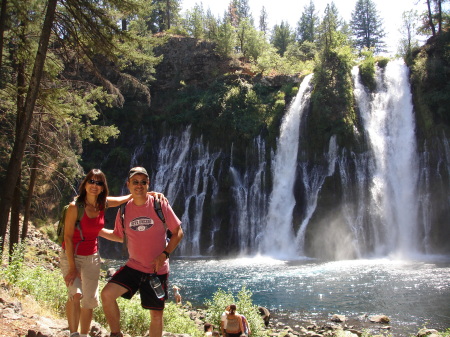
(291,10)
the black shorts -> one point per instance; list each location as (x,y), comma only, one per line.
(134,280)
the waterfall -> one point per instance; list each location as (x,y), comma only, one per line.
(185,174)
(388,119)
(279,230)
(354,198)
(312,183)
(249,199)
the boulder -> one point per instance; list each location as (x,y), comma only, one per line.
(338,318)
(426,332)
(379,319)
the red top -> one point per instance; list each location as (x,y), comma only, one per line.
(90,228)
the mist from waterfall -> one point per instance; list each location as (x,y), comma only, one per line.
(389,123)
(279,227)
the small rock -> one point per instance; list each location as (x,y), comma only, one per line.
(426,332)
(338,318)
(379,319)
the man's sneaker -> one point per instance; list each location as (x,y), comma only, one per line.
(75,334)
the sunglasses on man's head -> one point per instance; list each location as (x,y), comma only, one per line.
(96,182)
(142,182)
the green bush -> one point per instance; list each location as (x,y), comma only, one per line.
(367,70)
(221,299)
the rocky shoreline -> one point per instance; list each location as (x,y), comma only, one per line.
(17,319)
(23,317)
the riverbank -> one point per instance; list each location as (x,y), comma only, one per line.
(25,317)
(19,313)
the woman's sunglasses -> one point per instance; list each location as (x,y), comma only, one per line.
(96,182)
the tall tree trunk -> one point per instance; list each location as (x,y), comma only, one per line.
(15,217)
(33,178)
(439,3)
(168,13)
(2,30)
(19,67)
(17,154)
(430,18)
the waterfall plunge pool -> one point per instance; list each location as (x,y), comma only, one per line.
(413,294)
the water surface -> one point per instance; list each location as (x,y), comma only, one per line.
(412,293)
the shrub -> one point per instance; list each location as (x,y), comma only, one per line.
(367,70)
(221,299)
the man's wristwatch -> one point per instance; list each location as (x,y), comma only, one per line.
(166,253)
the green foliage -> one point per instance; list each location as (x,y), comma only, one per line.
(382,61)
(282,37)
(178,321)
(12,272)
(221,299)
(226,39)
(230,107)
(367,70)
(307,27)
(333,111)
(430,75)
(44,285)
(194,21)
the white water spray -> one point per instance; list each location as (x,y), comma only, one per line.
(277,240)
(185,168)
(388,119)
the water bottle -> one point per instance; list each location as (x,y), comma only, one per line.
(157,286)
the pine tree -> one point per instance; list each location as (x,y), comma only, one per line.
(164,14)
(409,31)
(329,26)
(282,37)
(367,26)
(307,26)
(194,22)
(263,25)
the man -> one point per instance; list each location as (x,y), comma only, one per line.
(148,254)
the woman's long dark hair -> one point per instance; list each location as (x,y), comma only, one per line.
(101,199)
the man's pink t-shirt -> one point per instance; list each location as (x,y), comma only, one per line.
(146,234)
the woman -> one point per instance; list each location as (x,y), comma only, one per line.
(80,261)
(233,325)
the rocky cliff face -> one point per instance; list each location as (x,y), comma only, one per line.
(187,61)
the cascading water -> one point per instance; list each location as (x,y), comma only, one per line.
(389,123)
(185,172)
(313,182)
(250,199)
(281,204)
(347,205)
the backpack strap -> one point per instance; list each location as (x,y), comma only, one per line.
(160,213)
(122,208)
(80,213)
